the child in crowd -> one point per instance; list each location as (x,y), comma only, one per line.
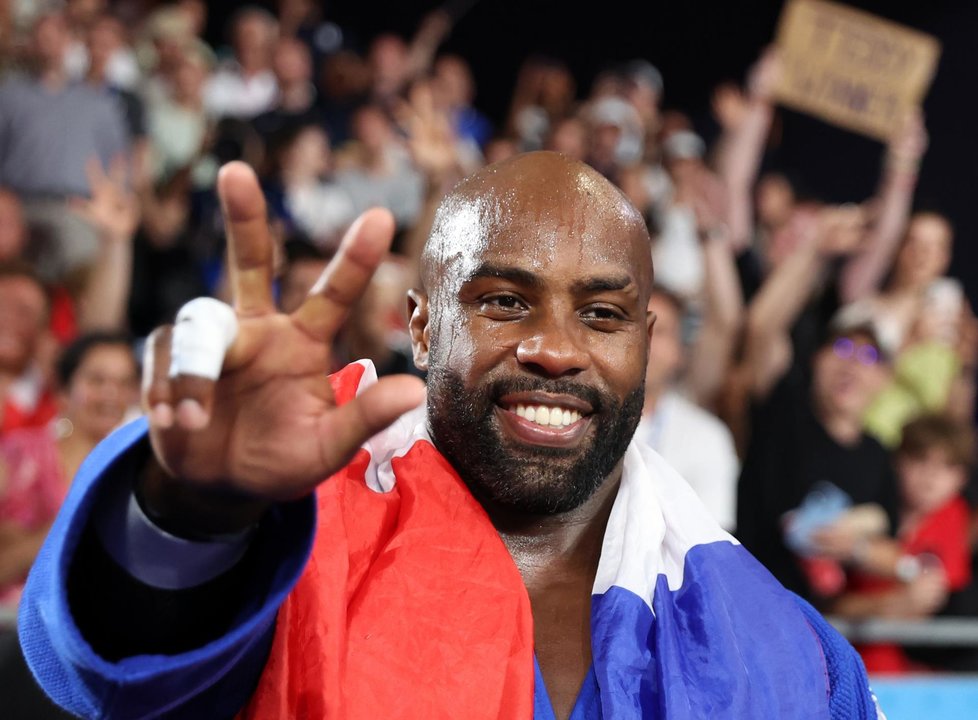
(911,576)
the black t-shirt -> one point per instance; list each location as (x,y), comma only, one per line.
(788,454)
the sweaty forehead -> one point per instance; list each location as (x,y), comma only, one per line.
(534,211)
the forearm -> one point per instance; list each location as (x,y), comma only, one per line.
(773,311)
(879,556)
(738,164)
(713,351)
(103,301)
(210,638)
(786,291)
(864,272)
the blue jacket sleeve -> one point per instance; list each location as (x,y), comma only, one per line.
(211,681)
(850,696)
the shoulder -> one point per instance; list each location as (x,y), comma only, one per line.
(850,695)
(691,416)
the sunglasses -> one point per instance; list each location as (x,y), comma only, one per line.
(863,353)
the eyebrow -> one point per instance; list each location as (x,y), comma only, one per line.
(519,276)
(516,275)
(603,284)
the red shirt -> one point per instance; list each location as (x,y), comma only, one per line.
(943,534)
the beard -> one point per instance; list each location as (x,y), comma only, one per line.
(529,479)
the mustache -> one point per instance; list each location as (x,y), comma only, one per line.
(503,386)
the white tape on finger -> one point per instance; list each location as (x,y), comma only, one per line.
(204,330)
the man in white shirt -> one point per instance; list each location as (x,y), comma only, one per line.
(247,86)
(691,439)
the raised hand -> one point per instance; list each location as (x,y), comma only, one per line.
(112,207)
(267,429)
(764,76)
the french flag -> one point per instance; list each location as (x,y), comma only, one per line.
(433,619)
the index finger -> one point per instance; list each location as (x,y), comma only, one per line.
(346,277)
(249,240)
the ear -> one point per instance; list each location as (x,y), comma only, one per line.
(417,306)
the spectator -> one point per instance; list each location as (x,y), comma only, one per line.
(303,19)
(376,168)
(691,440)
(50,128)
(345,83)
(167,33)
(394,64)
(544,94)
(106,37)
(245,86)
(310,201)
(296,103)
(910,577)
(570,137)
(97,387)
(117,65)
(176,121)
(24,308)
(676,250)
(455,88)
(809,434)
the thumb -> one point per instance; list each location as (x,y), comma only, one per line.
(349,426)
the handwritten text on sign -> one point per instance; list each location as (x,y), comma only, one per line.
(851,68)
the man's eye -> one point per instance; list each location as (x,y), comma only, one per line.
(503,303)
(602,313)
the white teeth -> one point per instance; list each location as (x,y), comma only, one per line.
(548,416)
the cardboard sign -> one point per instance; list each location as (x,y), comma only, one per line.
(851,68)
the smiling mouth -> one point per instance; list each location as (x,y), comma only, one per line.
(535,419)
(547,415)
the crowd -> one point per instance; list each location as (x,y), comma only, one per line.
(813,367)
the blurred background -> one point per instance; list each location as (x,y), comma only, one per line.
(813,371)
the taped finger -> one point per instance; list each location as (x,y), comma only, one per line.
(204,331)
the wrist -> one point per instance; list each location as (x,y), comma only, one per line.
(192,512)
(902,164)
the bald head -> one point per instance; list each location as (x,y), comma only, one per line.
(538,274)
(542,204)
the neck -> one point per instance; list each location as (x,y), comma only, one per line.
(95,75)
(73,449)
(53,77)
(568,540)
(844,428)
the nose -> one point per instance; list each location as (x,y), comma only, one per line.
(554,350)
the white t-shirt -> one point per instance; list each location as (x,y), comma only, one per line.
(700,447)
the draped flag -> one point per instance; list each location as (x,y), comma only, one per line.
(411,606)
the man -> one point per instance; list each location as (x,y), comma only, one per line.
(50,130)
(245,87)
(496,553)
(695,442)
